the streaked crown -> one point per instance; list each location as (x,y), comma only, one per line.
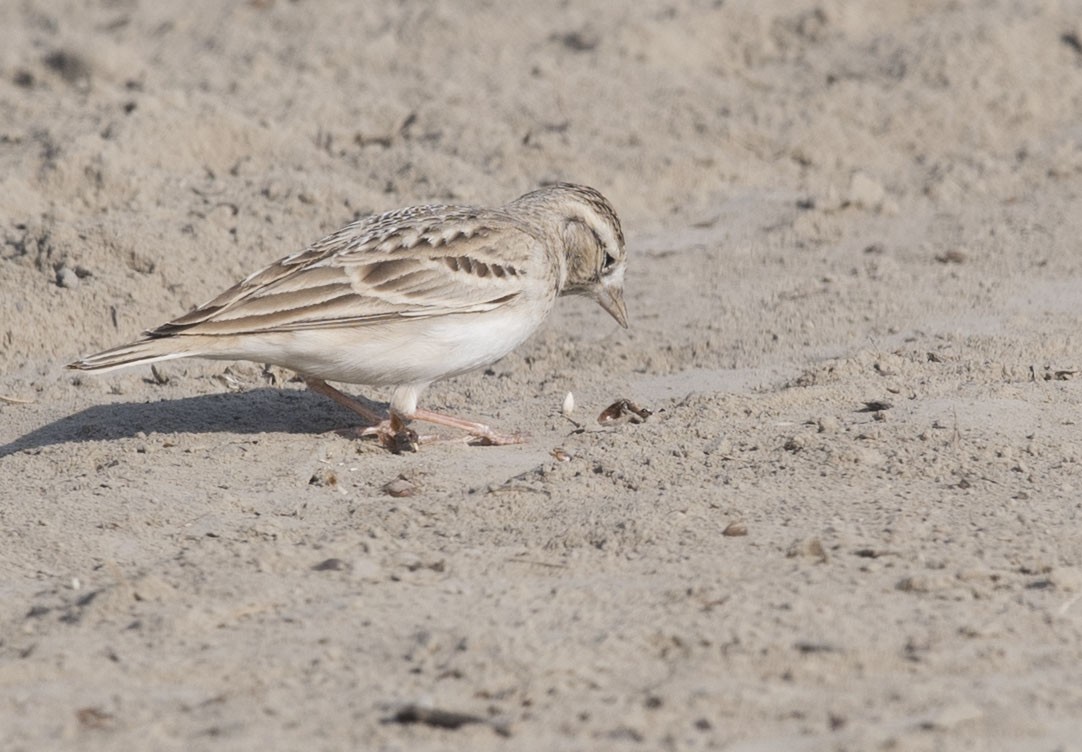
(593,242)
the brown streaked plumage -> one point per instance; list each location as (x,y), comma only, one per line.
(406,298)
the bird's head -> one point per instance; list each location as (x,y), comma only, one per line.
(593,244)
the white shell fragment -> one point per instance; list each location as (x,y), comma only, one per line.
(569,405)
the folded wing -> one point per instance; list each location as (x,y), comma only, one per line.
(433,261)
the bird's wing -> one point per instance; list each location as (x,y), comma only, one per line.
(412,263)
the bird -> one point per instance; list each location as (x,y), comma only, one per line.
(406,298)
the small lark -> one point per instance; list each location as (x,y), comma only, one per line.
(406,298)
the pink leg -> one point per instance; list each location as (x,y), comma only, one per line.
(478,430)
(319,386)
(393,432)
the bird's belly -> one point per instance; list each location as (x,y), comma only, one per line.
(409,351)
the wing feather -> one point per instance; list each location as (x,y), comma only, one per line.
(421,262)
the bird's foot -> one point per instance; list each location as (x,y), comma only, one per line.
(493,438)
(478,432)
(395,435)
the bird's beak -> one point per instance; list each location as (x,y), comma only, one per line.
(611,298)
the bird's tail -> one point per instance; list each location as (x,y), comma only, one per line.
(140,352)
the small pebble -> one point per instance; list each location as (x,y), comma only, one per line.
(400,488)
(67,278)
(323,477)
(829,424)
(623,411)
(561,455)
(952,256)
(735,530)
(331,565)
(810,548)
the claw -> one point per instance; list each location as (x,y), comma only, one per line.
(491,438)
(394,435)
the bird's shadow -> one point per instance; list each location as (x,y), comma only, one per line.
(250,412)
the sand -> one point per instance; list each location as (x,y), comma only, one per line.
(853,520)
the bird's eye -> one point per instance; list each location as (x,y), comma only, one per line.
(609,261)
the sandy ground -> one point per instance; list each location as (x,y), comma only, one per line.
(854,520)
